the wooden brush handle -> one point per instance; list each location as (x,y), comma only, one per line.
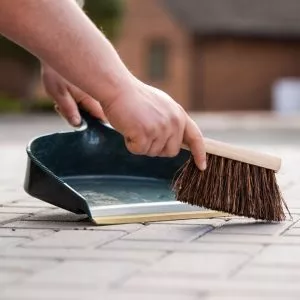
(241,154)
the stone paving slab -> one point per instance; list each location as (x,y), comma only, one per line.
(128,255)
(184,247)
(5,217)
(65,225)
(48,253)
(169,232)
(184,284)
(12,241)
(71,239)
(85,274)
(33,292)
(207,264)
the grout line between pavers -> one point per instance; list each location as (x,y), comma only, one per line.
(289,227)
(78,259)
(121,281)
(235,271)
(13,220)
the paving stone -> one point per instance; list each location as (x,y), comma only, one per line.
(7,197)
(27,266)
(36,292)
(288,240)
(249,239)
(295,211)
(253,228)
(80,225)
(279,255)
(169,232)
(182,284)
(86,274)
(83,254)
(184,247)
(208,264)
(231,238)
(254,272)
(7,278)
(20,210)
(27,233)
(293,231)
(138,295)
(75,239)
(32,292)
(240,259)
(50,225)
(31,203)
(11,241)
(56,215)
(296,225)
(241,296)
(8,217)
(122,227)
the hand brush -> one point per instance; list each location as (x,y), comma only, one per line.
(237,181)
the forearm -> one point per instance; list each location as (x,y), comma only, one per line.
(59,33)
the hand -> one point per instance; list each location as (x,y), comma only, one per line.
(153,124)
(67,97)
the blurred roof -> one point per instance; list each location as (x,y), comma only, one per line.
(240,17)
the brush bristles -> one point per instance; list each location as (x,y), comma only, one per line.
(233,187)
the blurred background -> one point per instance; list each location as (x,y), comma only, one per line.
(210,56)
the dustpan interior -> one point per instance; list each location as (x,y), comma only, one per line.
(97,165)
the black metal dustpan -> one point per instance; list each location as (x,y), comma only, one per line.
(90,171)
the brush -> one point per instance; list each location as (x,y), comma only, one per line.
(237,181)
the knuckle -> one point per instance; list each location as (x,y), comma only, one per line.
(175,121)
(136,146)
(150,131)
(82,98)
(163,125)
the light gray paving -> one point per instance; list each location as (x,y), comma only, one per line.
(170,232)
(75,239)
(49,253)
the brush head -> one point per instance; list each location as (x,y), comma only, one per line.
(233,187)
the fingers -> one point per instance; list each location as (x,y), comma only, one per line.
(67,107)
(87,103)
(194,140)
(56,87)
(138,146)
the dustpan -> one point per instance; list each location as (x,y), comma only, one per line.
(90,171)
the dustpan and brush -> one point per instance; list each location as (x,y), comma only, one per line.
(90,171)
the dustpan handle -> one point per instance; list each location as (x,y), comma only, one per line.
(87,120)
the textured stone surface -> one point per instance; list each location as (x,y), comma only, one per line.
(49,253)
(170,232)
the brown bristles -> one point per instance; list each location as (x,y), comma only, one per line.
(233,187)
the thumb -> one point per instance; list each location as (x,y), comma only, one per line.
(194,140)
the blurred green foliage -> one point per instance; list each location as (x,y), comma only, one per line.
(9,105)
(106,14)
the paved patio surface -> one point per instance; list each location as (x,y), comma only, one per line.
(48,253)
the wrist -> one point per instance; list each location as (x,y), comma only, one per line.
(115,87)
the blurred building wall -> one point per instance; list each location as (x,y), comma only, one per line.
(146,23)
(238,73)
(212,70)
